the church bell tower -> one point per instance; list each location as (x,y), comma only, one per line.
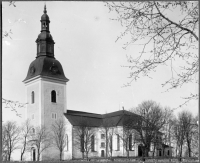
(45,82)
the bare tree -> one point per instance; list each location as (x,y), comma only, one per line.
(110,141)
(187,122)
(8,33)
(82,137)
(4,144)
(107,129)
(179,135)
(153,118)
(13,105)
(195,142)
(127,133)
(59,136)
(25,136)
(189,129)
(167,130)
(11,137)
(41,139)
(162,38)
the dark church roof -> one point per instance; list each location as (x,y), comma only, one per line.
(46,67)
(45,64)
(44,36)
(97,120)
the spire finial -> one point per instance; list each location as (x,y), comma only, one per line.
(45,11)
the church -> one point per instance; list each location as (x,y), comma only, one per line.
(45,85)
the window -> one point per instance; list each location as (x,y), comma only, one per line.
(102,145)
(39,48)
(53,96)
(33,154)
(160,153)
(92,143)
(67,142)
(116,142)
(152,147)
(118,147)
(111,142)
(32,97)
(130,142)
(102,136)
(33,130)
(54,116)
(82,143)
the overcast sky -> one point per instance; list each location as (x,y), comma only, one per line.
(93,62)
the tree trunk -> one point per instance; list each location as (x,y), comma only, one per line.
(146,152)
(9,156)
(22,153)
(87,155)
(127,153)
(189,148)
(180,154)
(106,143)
(189,151)
(38,155)
(60,155)
(82,155)
(21,157)
(154,150)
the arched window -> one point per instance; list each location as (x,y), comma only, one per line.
(130,142)
(82,143)
(53,96)
(32,97)
(33,130)
(33,154)
(67,142)
(111,142)
(92,143)
(118,141)
(39,48)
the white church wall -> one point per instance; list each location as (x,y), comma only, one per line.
(40,112)
(76,152)
(51,111)
(69,146)
(33,109)
(50,107)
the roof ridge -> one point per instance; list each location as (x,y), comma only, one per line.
(76,111)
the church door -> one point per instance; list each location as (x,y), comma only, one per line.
(34,155)
(102,153)
(140,150)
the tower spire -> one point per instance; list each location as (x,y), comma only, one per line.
(45,43)
(45,11)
